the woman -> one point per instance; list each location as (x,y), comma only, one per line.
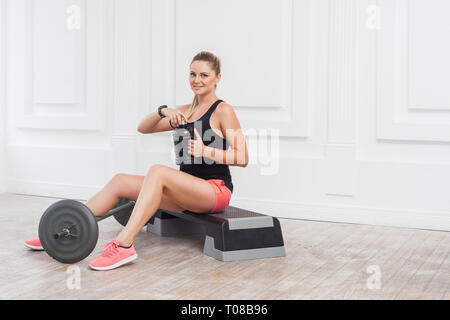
(203,187)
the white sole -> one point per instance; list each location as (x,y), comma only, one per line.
(118,264)
(34,247)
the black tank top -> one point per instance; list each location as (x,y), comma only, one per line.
(200,167)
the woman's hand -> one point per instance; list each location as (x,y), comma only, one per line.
(196,147)
(175,116)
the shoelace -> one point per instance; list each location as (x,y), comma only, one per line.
(111,248)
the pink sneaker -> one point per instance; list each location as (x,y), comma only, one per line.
(113,257)
(34,244)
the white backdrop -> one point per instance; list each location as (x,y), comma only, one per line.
(357,89)
(3,169)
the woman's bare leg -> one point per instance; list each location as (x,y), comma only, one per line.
(123,186)
(161,182)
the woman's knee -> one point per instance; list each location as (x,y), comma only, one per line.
(125,186)
(117,179)
(156,170)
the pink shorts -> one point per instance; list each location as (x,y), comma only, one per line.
(223,195)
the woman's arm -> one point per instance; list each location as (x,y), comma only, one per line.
(230,127)
(154,123)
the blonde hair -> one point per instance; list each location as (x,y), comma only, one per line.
(215,65)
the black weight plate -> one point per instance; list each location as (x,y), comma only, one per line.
(83,227)
(123,216)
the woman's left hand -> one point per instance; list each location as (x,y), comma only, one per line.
(196,147)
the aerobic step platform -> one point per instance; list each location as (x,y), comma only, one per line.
(234,234)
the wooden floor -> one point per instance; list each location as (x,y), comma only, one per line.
(323,261)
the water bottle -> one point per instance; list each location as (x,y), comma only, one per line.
(180,137)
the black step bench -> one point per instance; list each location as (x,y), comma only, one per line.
(234,234)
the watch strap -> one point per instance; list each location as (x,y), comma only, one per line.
(159,111)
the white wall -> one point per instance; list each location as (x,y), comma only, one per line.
(361,109)
(3,173)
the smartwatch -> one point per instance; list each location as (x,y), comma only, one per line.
(159,111)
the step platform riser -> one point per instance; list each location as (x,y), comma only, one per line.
(228,237)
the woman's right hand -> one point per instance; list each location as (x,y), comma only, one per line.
(175,116)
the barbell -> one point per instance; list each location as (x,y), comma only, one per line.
(68,230)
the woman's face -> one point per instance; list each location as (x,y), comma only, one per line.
(202,78)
